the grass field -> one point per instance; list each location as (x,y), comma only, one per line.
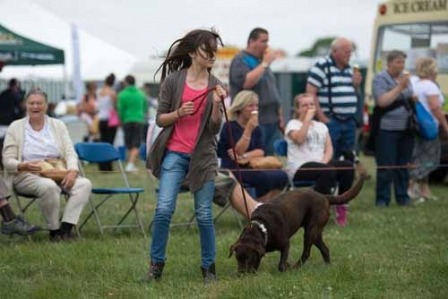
(394,252)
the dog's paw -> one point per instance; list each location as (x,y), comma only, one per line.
(284,267)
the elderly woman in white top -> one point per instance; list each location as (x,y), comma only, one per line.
(426,154)
(35,138)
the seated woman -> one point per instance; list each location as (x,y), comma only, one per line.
(309,146)
(248,144)
(33,139)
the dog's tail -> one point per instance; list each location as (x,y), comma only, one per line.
(347,195)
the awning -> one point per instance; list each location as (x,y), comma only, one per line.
(18,50)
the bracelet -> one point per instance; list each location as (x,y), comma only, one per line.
(178,114)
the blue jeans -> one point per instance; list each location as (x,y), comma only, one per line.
(174,169)
(343,135)
(270,133)
(393,148)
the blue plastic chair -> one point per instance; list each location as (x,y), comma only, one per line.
(281,149)
(98,152)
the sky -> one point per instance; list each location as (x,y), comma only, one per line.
(118,33)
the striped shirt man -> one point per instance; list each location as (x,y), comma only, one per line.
(343,94)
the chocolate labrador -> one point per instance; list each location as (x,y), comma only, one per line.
(273,224)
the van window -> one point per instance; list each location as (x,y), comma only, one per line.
(417,40)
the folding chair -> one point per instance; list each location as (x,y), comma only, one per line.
(32,199)
(281,149)
(97,152)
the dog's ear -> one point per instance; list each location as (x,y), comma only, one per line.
(232,248)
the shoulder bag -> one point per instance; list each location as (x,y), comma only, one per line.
(428,127)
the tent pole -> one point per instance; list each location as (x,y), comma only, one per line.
(66,82)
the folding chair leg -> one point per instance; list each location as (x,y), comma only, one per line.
(235,214)
(78,234)
(93,212)
(137,217)
(221,212)
(19,205)
(140,224)
(238,218)
(133,207)
(190,222)
(22,210)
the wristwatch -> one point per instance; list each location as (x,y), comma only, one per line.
(265,64)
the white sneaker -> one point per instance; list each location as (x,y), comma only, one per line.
(420,200)
(414,192)
(131,168)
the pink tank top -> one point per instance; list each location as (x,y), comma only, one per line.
(186,128)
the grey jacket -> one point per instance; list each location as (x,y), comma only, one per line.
(204,162)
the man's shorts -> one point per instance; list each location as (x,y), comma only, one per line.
(132,135)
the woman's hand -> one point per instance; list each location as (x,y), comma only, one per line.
(69,179)
(30,166)
(253,121)
(309,115)
(231,155)
(219,94)
(187,108)
(403,81)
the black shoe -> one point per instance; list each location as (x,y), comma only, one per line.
(55,236)
(61,237)
(67,237)
(209,274)
(155,271)
(18,226)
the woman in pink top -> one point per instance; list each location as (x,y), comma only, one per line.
(184,153)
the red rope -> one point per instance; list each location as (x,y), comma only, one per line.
(238,171)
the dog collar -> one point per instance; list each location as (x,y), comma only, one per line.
(263,230)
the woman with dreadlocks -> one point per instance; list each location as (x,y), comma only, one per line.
(184,153)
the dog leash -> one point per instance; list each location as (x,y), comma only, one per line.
(238,171)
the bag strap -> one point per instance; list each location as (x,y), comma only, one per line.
(394,105)
(250,61)
(409,106)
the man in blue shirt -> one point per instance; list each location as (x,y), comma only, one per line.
(250,70)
